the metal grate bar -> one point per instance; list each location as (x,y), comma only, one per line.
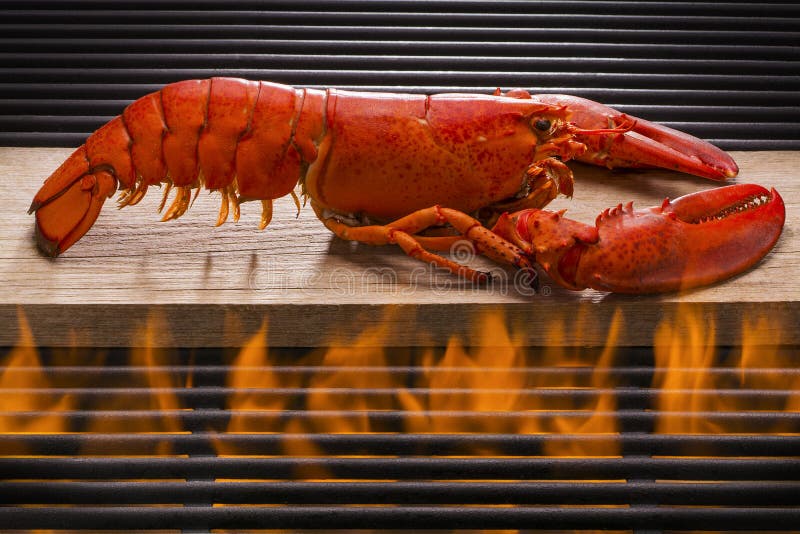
(645,95)
(398,444)
(558,398)
(392,33)
(202,63)
(405,468)
(749,494)
(576,376)
(487,49)
(729,19)
(393,421)
(430,517)
(584,6)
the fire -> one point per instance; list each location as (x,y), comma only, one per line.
(567,396)
(348,391)
(483,380)
(254,373)
(494,390)
(600,411)
(692,370)
(762,352)
(155,380)
(366,387)
(683,349)
(35,398)
(22,380)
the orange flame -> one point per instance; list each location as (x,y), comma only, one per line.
(599,411)
(692,371)
(494,391)
(22,379)
(158,385)
(343,387)
(461,382)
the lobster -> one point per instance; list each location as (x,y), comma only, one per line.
(384,168)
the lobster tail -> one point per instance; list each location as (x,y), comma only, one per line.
(69,202)
(71,198)
(248,140)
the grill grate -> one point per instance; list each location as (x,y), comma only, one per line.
(726,72)
(305,443)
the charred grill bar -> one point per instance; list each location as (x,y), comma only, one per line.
(195,439)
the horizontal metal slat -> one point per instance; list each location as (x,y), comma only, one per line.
(404,493)
(609,95)
(116,62)
(550,398)
(405,468)
(59,376)
(521,6)
(351,76)
(722,21)
(545,417)
(450,48)
(395,33)
(785,131)
(397,444)
(420,517)
(766,143)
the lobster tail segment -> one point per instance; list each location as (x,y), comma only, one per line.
(69,202)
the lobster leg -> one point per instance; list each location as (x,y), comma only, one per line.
(401,232)
(695,240)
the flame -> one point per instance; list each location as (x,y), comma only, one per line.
(36,398)
(492,388)
(683,349)
(600,411)
(462,382)
(497,386)
(255,405)
(253,372)
(158,384)
(253,409)
(339,395)
(351,383)
(22,380)
(692,370)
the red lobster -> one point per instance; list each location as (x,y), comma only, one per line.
(383,168)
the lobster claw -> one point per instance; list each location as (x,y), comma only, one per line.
(646,144)
(69,202)
(695,240)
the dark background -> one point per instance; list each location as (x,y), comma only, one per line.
(727,72)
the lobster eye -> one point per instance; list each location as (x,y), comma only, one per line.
(542,124)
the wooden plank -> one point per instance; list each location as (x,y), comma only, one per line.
(215,286)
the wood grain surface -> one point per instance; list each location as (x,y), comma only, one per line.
(207,286)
